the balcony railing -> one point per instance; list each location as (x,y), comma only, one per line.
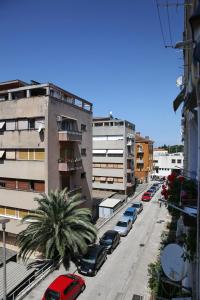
(140,151)
(140,161)
(73,136)
(129,184)
(66,166)
(75,190)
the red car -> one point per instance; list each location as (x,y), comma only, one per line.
(65,287)
(146,196)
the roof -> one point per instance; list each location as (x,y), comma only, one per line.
(15,273)
(9,255)
(130,209)
(109,202)
(123,219)
(139,139)
(102,194)
(12,84)
(61,281)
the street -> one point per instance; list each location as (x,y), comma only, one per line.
(125,271)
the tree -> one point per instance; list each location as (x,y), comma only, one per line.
(59,228)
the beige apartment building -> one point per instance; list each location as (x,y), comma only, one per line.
(45,144)
(113,155)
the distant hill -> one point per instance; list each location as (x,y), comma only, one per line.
(173,148)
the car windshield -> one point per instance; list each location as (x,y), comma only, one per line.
(147,194)
(122,224)
(52,295)
(137,205)
(128,213)
(107,240)
(88,258)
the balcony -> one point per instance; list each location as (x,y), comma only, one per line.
(67,166)
(74,191)
(140,161)
(140,151)
(70,136)
(130,155)
(129,184)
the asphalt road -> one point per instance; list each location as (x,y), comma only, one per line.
(125,271)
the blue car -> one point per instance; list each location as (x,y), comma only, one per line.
(131,213)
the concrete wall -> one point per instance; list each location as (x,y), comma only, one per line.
(33,170)
(56,108)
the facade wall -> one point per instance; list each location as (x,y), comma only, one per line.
(143,159)
(30,158)
(111,136)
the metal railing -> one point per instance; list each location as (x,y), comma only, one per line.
(27,285)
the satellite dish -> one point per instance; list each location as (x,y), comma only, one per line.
(173,263)
(179,81)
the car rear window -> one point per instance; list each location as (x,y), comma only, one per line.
(121,224)
(136,205)
(52,295)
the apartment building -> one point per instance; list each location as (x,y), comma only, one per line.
(45,144)
(143,158)
(113,154)
(165,163)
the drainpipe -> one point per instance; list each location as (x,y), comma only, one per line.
(198,202)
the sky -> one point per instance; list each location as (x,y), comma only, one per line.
(109,52)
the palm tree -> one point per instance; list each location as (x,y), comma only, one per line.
(59,228)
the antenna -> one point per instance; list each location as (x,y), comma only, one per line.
(172,262)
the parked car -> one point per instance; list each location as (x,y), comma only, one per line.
(65,287)
(123,226)
(110,240)
(131,213)
(153,188)
(138,205)
(146,196)
(151,192)
(93,260)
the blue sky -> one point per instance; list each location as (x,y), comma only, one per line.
(109,52)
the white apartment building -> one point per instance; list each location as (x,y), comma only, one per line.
(164,163)
(113,154)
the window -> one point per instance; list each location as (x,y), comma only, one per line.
(83,151)
(23,185)
(39,154)
(23,213)
(179,161)
(10,184)
(2,210)
(10,154)
(31,124)
(83,127)
(173,161)
(11,212)
(22,124)
(10,125)
(83,175)
(39,187)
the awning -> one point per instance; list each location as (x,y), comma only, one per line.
(2,124)
(102,178)
(2,153)
(191,100)
(179,99)
(120,151)
(99,151)
(110,179)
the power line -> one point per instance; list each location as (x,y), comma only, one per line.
(161,28)
(169,26)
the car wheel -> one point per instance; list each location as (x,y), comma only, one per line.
(83,288)
(111,250)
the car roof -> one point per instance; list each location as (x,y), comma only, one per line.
(94,249)
(123,219)
(131,209)
(60,283)
(110,232)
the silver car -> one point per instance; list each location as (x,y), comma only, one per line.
(123,226)
(138,205)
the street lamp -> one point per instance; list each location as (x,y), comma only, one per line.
(3,221)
